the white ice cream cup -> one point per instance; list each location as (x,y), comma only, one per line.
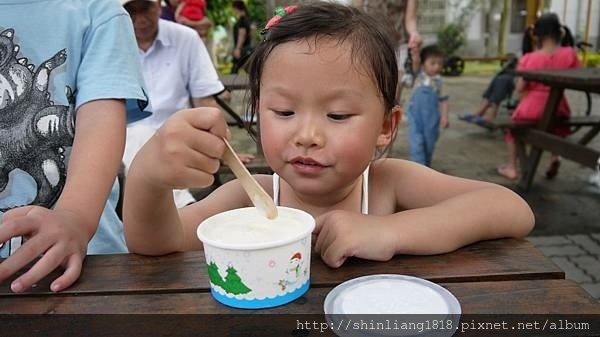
(254,262)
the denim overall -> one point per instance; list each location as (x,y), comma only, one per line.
(424,115)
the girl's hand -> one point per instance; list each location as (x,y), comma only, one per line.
(58,236)
(185,151)
(343,234)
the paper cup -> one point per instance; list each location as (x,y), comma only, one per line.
(254,262)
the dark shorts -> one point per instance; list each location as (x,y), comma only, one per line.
(500,88)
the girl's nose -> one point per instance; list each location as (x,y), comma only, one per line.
(309,134)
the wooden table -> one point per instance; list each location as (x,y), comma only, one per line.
(541,137)
(494,277)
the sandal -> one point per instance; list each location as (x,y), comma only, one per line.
(552,171)
(467,117)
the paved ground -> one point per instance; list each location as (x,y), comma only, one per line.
(567,209)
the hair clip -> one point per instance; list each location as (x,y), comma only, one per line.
(279,13)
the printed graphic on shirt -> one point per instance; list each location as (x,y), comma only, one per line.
(35,131)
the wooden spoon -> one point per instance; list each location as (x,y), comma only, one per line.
(260,199)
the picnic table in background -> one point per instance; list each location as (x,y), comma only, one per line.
(258,165)
(504,276)
(540,136)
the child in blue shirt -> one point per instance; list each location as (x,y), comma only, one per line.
(69,72)
(428,107)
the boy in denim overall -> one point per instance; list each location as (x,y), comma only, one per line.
(428,107)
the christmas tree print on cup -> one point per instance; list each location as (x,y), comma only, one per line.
(254,262)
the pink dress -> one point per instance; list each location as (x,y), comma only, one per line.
(531,106)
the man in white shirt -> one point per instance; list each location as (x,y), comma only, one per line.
(178,72)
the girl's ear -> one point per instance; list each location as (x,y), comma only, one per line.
(390,127)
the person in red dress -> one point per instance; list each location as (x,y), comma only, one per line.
(549,55)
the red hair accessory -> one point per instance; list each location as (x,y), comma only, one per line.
(280,13)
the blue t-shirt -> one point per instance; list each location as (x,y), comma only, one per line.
(56,55)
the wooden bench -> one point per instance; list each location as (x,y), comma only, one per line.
(505,122)
(577,151)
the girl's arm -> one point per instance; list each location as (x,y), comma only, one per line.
(183,153)
(444,213)
(436,214)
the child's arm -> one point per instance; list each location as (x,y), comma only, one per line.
(410,23)
(444,119)
(178,17)
(241,39)
(62,234)
(183,153)
(441,214)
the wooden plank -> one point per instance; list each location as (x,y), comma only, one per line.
(502,297)
(505,259)
(576,152)
(505,122)
(584,79)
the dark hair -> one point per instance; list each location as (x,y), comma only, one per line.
(371,47)
(527,43)
(240,5)
(567,38)
(548,26)
(430,51)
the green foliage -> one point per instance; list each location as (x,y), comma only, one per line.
(450,38)
(593,60)
(219,11)
(257,12)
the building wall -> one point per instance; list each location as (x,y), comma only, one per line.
(574,17)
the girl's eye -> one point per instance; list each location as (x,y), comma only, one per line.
(338,116)
(283,113)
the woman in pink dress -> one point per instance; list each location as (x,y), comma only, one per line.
(549,55)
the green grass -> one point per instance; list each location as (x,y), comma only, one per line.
(473,68)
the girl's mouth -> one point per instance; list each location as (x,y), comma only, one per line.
(305,165)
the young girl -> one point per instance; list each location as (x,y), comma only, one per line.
(323,82)
(548,33)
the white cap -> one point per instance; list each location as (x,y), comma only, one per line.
(125,2)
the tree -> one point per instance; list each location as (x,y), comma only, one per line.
(233,283)
(450,38)
(214,276)
(502,29)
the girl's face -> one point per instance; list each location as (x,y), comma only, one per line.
(321,117)
(433,65)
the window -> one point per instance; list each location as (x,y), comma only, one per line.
(431,16)
(518,16)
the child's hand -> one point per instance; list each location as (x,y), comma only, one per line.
(415,41)
(59,236)
(444,122)
(343,234)
(185,151)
